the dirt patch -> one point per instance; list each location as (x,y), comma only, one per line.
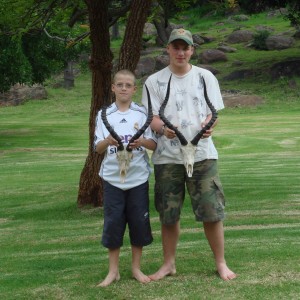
(239,100)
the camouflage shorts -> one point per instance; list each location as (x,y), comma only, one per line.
(204,188)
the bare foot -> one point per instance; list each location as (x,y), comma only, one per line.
(164,271)
(140,276)
(109,279)
(224,272)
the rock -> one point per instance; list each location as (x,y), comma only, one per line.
(279,42)
(226,49)
(161,62)
(240,36)
(297,34)
(211,55)
(146,65)
(149,29)
(209,68)
(198,39)
(240,18)
(19,93)
(288,68)
(239,74)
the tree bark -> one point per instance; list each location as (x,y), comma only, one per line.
(131,46)
(90,184)
(161,24)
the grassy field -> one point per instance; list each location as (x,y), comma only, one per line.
(50,249)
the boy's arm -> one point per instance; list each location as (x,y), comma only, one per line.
(148,144)
(103,145)
(208,132)
(143,142)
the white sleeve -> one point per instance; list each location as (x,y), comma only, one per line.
(99,135)
(213,91)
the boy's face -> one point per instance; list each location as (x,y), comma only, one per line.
(124,88)
(180,53)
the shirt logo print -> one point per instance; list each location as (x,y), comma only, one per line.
(123,121)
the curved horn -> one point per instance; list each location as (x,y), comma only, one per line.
(180,136)
(146,125)
(214,117)
(110,129)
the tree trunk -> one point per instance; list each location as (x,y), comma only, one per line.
(90,185)
(131,46)
(161,24)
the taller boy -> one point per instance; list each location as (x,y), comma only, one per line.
(188,111)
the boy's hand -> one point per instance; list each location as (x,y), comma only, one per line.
(111,141)
(136,143)
(208,132)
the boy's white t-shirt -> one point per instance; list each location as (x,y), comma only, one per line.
(125,124)
(186,109)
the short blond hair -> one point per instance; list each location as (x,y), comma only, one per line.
(124,72)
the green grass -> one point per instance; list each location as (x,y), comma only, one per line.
(50,249)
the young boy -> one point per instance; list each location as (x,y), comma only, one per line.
(125,202)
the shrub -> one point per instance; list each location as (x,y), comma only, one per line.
(259,39)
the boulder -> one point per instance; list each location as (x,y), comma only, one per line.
(288,68)
(211,55)
(240,18)
(239,36)
(226,49)
(19,93)
(161,62)
(239,74)
(149,29)
(279,42)
(209,68)
(198,39)
(146,65)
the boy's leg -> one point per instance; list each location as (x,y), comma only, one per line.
(215,235)
(208,202)
(169,195)
(113,273)
(136,265)
(138,218)
(170,235)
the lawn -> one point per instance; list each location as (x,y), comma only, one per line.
(50,249)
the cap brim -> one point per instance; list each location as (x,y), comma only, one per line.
(182,39)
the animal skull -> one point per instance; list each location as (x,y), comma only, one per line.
(188,154)
(124,157)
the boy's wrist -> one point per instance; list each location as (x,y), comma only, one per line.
(142,142)
(162,130)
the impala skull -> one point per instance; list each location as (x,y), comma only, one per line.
(188,153)
(124,157)
(188,149)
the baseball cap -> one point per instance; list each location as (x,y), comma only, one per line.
(181,34)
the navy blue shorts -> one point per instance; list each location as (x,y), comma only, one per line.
(126,207)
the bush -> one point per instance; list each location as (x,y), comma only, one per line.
(14,65)
(259,40)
